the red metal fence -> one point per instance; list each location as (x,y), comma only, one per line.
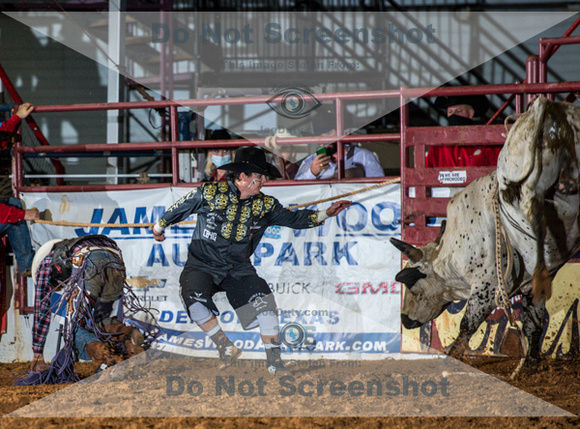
(416,140)
(414,144)
(175,146)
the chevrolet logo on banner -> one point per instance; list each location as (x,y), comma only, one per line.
(146,283)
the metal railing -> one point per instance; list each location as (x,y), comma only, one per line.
(414,174)
(174,145)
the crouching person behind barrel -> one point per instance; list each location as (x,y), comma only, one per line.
(90,274)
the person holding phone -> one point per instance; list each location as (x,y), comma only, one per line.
(322,164)
(358,162)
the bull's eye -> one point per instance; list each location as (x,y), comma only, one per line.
(293,103)
(409,276)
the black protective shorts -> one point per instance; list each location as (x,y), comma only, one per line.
(249,295)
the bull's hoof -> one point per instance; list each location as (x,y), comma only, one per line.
(531,364)
(541,285)
(457,349)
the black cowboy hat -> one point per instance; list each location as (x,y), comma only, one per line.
(480,103)
(220,134)
(252,159)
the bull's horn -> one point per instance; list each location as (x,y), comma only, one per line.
(441,232)
(411,252)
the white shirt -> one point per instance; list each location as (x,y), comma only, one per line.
(361,157)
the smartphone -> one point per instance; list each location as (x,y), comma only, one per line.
(321,151)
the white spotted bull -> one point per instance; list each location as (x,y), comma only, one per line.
(537,178)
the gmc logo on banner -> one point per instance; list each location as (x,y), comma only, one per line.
(358,288)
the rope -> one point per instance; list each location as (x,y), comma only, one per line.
(149,225)
(368,188)
(509,118)
(502,298)
(501,295)
(106,225)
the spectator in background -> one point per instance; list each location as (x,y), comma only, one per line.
(358,162)
(8,128)
(216,157)
(12,216)
(283,156)
(284,161)
(463,111)
(13,223)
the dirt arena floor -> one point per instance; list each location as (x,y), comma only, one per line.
(556,382)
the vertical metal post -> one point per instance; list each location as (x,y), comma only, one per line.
(545,52)
(3,288)
(531,74)
(519,102)
(174,152)
(18,179)
(162,67)
(403,119)
(339,144)
(116,48)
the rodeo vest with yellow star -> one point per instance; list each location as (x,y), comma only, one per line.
(229,229)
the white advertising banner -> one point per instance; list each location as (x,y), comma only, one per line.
(334,284)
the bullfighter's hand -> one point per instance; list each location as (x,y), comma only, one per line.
(337,207)
(24,110)
(159,236)
(32,214)
(319,163)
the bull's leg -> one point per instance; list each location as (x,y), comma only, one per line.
(533,325)
(479,306)
(541,281)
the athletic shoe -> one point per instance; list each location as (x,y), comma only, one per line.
(277,367)
(228,354)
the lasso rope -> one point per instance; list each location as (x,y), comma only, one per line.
(105,225)
(502,298)
(150,224)
(368,188)
(501,295)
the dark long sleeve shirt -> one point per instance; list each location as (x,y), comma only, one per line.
(229,229)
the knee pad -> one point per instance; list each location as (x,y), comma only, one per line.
(268,323)
(199,313)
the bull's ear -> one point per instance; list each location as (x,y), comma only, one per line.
(414,254)
(441,232)
(409,276)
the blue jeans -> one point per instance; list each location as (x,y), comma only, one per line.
(19,237)
(82,338)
